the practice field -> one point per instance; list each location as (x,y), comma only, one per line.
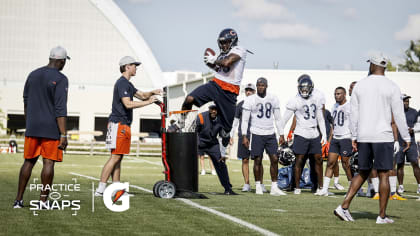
(246,214)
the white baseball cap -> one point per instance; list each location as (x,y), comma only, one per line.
(379,60)
(250,86)
(58,53)
(128,60)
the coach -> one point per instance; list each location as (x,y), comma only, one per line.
(374,101)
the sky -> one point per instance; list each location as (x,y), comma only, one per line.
(283,34)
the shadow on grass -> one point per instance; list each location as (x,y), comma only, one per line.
(368,215)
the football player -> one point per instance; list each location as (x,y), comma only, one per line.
(411,154)
(307,140)
(264,110)
(224,87)
(340,144)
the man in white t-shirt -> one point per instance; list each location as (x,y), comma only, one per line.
(375,100)
(224,87)
(307,141)
(264,110)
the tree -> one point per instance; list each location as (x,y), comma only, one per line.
(390,67)
(412,58)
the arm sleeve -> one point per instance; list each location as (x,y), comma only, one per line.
(286,117)
(321,121)
(246,114)
(397,109)
(60,98)
(234,127)
(277,117)
(354,114)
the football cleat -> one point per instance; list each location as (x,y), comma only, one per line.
(343,214)
(258,189)
(263,188)
(18,204)
(275,191)
(297,191)
(418,190)
(213,172)
(376,197)
(400,189)
(98,194)
(323,192)
(385,220)
(230,192)
(203,172)
(396,196)
(338,186)
(246,188)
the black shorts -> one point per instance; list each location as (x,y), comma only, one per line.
(243,152)
(379,156)
(303,146)
(342,147)
(224,100)
(260,142)
(213,151)
(411,154)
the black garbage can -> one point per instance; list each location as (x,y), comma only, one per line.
(183,160)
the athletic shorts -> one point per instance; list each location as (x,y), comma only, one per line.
(379,156)
(224,100)
(47,148)
(342,147)
(243,152)
(260,142)
(213,151)
(410,155)
(303,146)
(118,138)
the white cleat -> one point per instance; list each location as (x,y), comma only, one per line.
(98,194)
(297,191)
(213,172)
(385,220)
(400,189)
(360,193)
(246,188)
(323,192)
(203,172)
(258,189)
(338,186)
(418,190)
(343,214)
(275,191)
(263,188)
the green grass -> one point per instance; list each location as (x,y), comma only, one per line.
(304,214)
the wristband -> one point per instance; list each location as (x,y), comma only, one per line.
(64,136)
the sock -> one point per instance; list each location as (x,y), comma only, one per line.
(257,183)
(101,187)
(393,184)
(116,182)
(336,180)
(375,183)
(326,182)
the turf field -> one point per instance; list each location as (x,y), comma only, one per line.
(288,215)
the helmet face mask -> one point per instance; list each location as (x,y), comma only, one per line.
(305,86)
(227,39)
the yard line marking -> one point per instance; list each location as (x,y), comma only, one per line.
(412,196)
(196,205)
(146,161)
(280,210)
(93,196)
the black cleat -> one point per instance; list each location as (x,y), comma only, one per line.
(18,204)
(230,192)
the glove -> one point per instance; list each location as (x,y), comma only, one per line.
(325,149)
(210,59)
(290,136)
(323,140)
(396,147)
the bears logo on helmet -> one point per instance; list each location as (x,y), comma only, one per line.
(305,86)
(286,156)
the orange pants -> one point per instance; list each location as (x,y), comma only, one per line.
(47,148)
(123,140)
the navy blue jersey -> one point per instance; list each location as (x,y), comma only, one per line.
(328,121)
(122,88)
(411,115)
(238,114)
(208,129)
(45,99)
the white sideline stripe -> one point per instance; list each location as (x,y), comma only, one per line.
(411,196)
(196,205)
(146,161)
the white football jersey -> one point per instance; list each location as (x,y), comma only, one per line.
(233,75)
(341,116)
(305,111)
(263,113)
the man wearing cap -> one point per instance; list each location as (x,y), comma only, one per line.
(243,152)
(45,107)
(118,137)
(208,128)
(372,134)
(411,154)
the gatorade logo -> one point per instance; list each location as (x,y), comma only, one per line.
(116,193)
